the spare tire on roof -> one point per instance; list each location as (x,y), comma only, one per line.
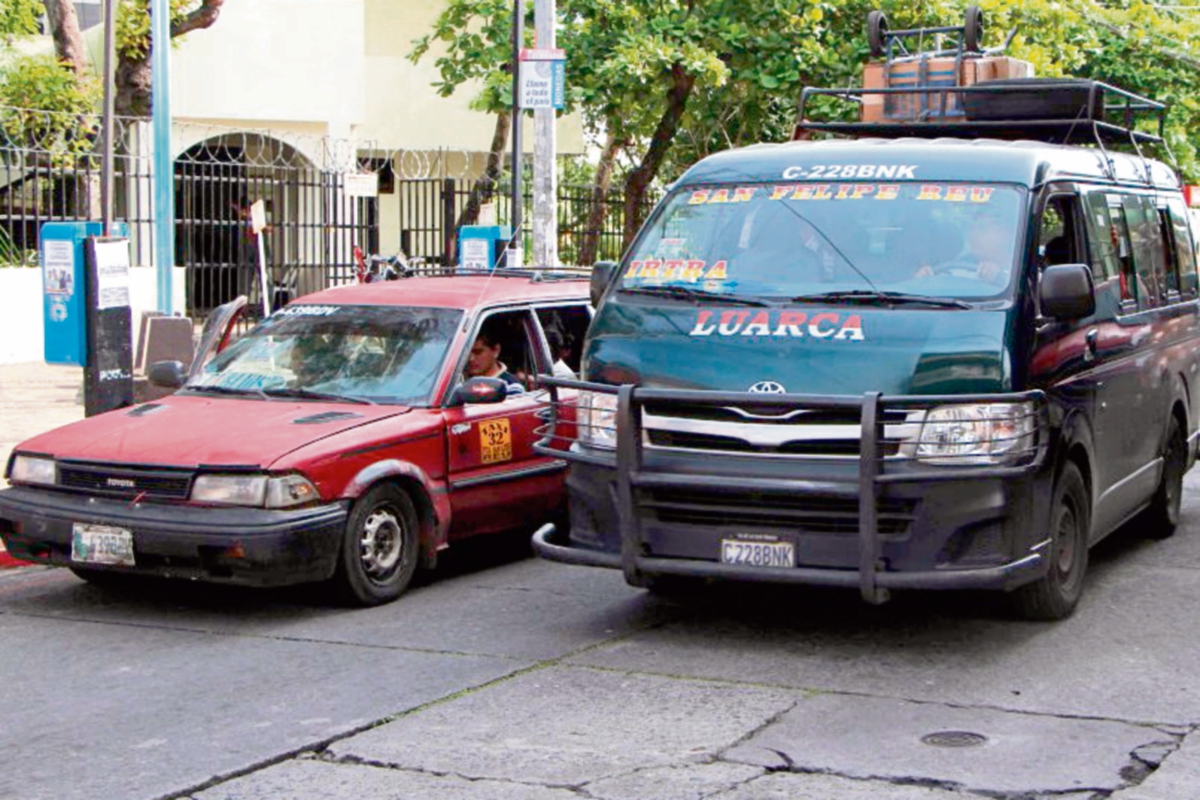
(1035,98)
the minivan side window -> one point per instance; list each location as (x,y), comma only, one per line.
(1112,264)
(1184,248)
(1145,234)
(1056,233)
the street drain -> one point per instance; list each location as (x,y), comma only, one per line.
(954,739)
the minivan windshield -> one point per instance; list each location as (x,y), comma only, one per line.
(835,240)
(382,354)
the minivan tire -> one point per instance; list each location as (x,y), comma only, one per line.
(1055,595)
(380,548)
(1161,518)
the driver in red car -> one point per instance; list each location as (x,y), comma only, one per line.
(484,360)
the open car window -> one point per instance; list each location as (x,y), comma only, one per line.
(385,354)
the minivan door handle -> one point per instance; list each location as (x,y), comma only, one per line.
(1090,340)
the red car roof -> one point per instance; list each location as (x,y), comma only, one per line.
(451,291)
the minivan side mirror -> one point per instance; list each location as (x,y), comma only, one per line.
(1067,291)
(602,274)
(168,374)
(479,390)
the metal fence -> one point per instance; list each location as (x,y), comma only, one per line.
(49,171)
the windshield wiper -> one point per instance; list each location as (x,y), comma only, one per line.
(688,293)
(310,394)
(214,389)
(868,297)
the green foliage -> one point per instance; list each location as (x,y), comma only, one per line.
(13,256)
(133,25)
(19,17)
(751,58)
(44,107)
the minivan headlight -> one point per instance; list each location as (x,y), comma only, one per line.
(258,491)
(597,419)
(34,469)
(978,433)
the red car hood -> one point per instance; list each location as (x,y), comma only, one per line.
(190,430)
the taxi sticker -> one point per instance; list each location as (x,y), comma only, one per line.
(677,269)
(495,441)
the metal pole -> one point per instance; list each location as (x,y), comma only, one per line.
(518,41)
(106,163)
(545,179)
(164,169)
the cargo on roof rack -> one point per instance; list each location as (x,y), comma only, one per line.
(1059,111)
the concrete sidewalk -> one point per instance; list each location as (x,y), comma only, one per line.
(34,398)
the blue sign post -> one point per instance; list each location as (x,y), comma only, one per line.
(63,296)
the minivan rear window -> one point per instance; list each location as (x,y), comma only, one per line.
(794,239)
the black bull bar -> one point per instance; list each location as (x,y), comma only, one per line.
(876,469)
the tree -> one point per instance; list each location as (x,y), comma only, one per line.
(478,41)
(670,82)
(133,70)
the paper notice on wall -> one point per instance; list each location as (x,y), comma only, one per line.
(58,267)
(112,273)
(476,254)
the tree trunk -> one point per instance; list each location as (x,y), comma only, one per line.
(68,41)
(134,76)
(485,184)
(639,180)
(599,209)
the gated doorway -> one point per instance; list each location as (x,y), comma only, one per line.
(312,225)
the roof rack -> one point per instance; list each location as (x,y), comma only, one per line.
(532,274)
(1059,111)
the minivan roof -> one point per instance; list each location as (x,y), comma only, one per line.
(945,159)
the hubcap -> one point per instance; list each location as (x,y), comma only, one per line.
(381,544)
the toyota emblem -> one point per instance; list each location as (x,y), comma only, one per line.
(767,387)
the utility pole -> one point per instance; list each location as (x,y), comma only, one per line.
(545,177)
(164,168)
(518,42)
(106,164)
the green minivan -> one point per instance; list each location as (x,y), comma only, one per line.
(950,356)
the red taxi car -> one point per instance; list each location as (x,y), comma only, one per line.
(341,439)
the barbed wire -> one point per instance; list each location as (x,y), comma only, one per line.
(61,135)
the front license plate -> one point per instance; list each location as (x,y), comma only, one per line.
(101,544)
(758,554)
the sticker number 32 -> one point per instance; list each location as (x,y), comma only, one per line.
(495,441)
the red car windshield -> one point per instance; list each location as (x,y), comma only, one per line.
(384,354)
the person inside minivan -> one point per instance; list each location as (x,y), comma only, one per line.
(986,238)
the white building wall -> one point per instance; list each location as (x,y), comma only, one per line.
(267,61)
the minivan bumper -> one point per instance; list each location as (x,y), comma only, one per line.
(249,546)
(875,522)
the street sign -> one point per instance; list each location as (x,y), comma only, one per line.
(543,78)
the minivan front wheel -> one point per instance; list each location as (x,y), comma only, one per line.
(379,547)
(1162,517)
(1055,595)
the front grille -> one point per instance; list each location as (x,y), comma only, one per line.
(832,515)
(835,448)
(784,431)
(121,481)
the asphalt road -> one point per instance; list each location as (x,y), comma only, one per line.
(507,677)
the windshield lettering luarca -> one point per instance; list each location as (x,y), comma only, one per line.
(782,323)
(936,239)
